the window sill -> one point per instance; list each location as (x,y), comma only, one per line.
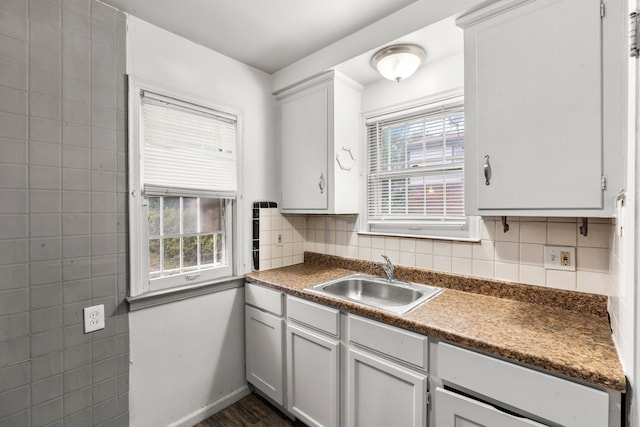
(414,236)
(165,296)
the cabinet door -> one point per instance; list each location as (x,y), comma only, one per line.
(385,394)
(304,136)
(454,410)
(264,343)
(534,94)
(312,377)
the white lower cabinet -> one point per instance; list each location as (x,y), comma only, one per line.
(313,362)
(264,330)
(383,394)
(455,410)
(531,394)
(343,369)
(264,353)
(312,372)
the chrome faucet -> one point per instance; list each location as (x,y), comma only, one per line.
(388,267)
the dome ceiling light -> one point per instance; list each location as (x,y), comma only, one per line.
(399,61)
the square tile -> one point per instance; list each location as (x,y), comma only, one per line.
(595,283)
(562,233)
(561,279)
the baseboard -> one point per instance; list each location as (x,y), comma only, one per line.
(212,408)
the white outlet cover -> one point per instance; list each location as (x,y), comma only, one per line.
(552,258)
(93,318)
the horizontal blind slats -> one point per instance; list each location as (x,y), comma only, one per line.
(416,167)
(187,147)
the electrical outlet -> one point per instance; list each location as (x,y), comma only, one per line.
(279,239)
(93,318)
(560,258)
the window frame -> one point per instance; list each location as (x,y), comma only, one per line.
(198,276)
(140,282)
(467,230)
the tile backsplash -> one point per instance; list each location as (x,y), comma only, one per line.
(516,255)
(278,240)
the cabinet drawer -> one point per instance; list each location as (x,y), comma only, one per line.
(397,343)
(546,396)
(263,298)
(317,316)
(453,407)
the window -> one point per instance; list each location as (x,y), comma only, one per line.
(415,172)
(185,234)
(183,178)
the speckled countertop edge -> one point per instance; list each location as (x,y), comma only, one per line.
(513,323)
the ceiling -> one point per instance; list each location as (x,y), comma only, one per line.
(273,34)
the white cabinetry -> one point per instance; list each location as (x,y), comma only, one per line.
(383,390)
(360,372)
(455,410)
(319,123)
(312,362)
(264,327)
(517,390)
(387,375)
(544,108)
(384,394)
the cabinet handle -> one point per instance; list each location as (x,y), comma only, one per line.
(487,170)
(321,183)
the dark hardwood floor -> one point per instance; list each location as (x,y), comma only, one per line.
(249,411)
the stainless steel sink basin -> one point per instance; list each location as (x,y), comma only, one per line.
(396,296)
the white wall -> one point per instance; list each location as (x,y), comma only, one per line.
(189,354)
(186,356)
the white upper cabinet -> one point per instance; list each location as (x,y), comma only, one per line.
(319,123)
(544,108)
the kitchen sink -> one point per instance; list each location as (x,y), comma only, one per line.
(396,296)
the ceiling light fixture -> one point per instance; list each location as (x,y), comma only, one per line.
(399,61)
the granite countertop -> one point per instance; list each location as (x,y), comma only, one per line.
(563,332)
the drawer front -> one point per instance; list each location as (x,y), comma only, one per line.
(454,409)
(543,395)
(264,298)
(397,343)
(317,316)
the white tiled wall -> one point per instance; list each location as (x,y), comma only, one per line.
(291,228)
(620,314)
(621,300)
(515,256)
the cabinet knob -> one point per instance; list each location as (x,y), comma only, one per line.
(487,170)
(321,183)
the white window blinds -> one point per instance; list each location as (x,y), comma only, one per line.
(415,170)
(187,149)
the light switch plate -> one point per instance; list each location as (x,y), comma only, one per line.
(560,258)
(93,318)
